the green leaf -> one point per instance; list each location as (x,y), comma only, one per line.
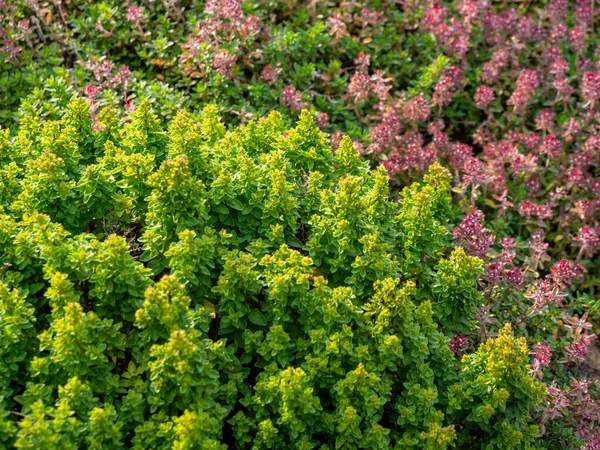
(221,209)
(35,287)
(257,318)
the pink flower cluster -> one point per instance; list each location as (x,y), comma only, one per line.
(473,236)
(458,344)
(292,99)
(219,39)
(542,356)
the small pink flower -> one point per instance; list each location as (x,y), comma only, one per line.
(337,26)
(458,345)
(559,67)
(10,48)
(533,186)
(269,74)
(579,349)
(91,91)
(292,99)
(514,278)
(584,14)
(577,39)
(473,171)
(416,110)
(484,96)
(358,88)
(494,272)
(392,165)
(557,10)
(433,17)
(571,129)
(558,32)
(223,63)
(379,85)
(385,133)
(590,87)
(562,273)
(527,209)
(363,61)
(575,177)
(322,120)
(528,80)
(458,154)
(545,120)
(455,74)
(458,46)
(473,236)
(592,145)
(230,10)
(550,147)
(563,88)
(542,292)
(370,17)
(123,74)
(552,54)
(498,62)
(443,91)
(518,99)
(134,14)
(588,240)
(542,356)
(584,209)
(251,26)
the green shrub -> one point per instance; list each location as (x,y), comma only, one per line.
(191,288)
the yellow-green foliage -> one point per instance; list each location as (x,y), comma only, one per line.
(190,288)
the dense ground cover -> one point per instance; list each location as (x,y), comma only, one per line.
(183,289)
(264,287)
